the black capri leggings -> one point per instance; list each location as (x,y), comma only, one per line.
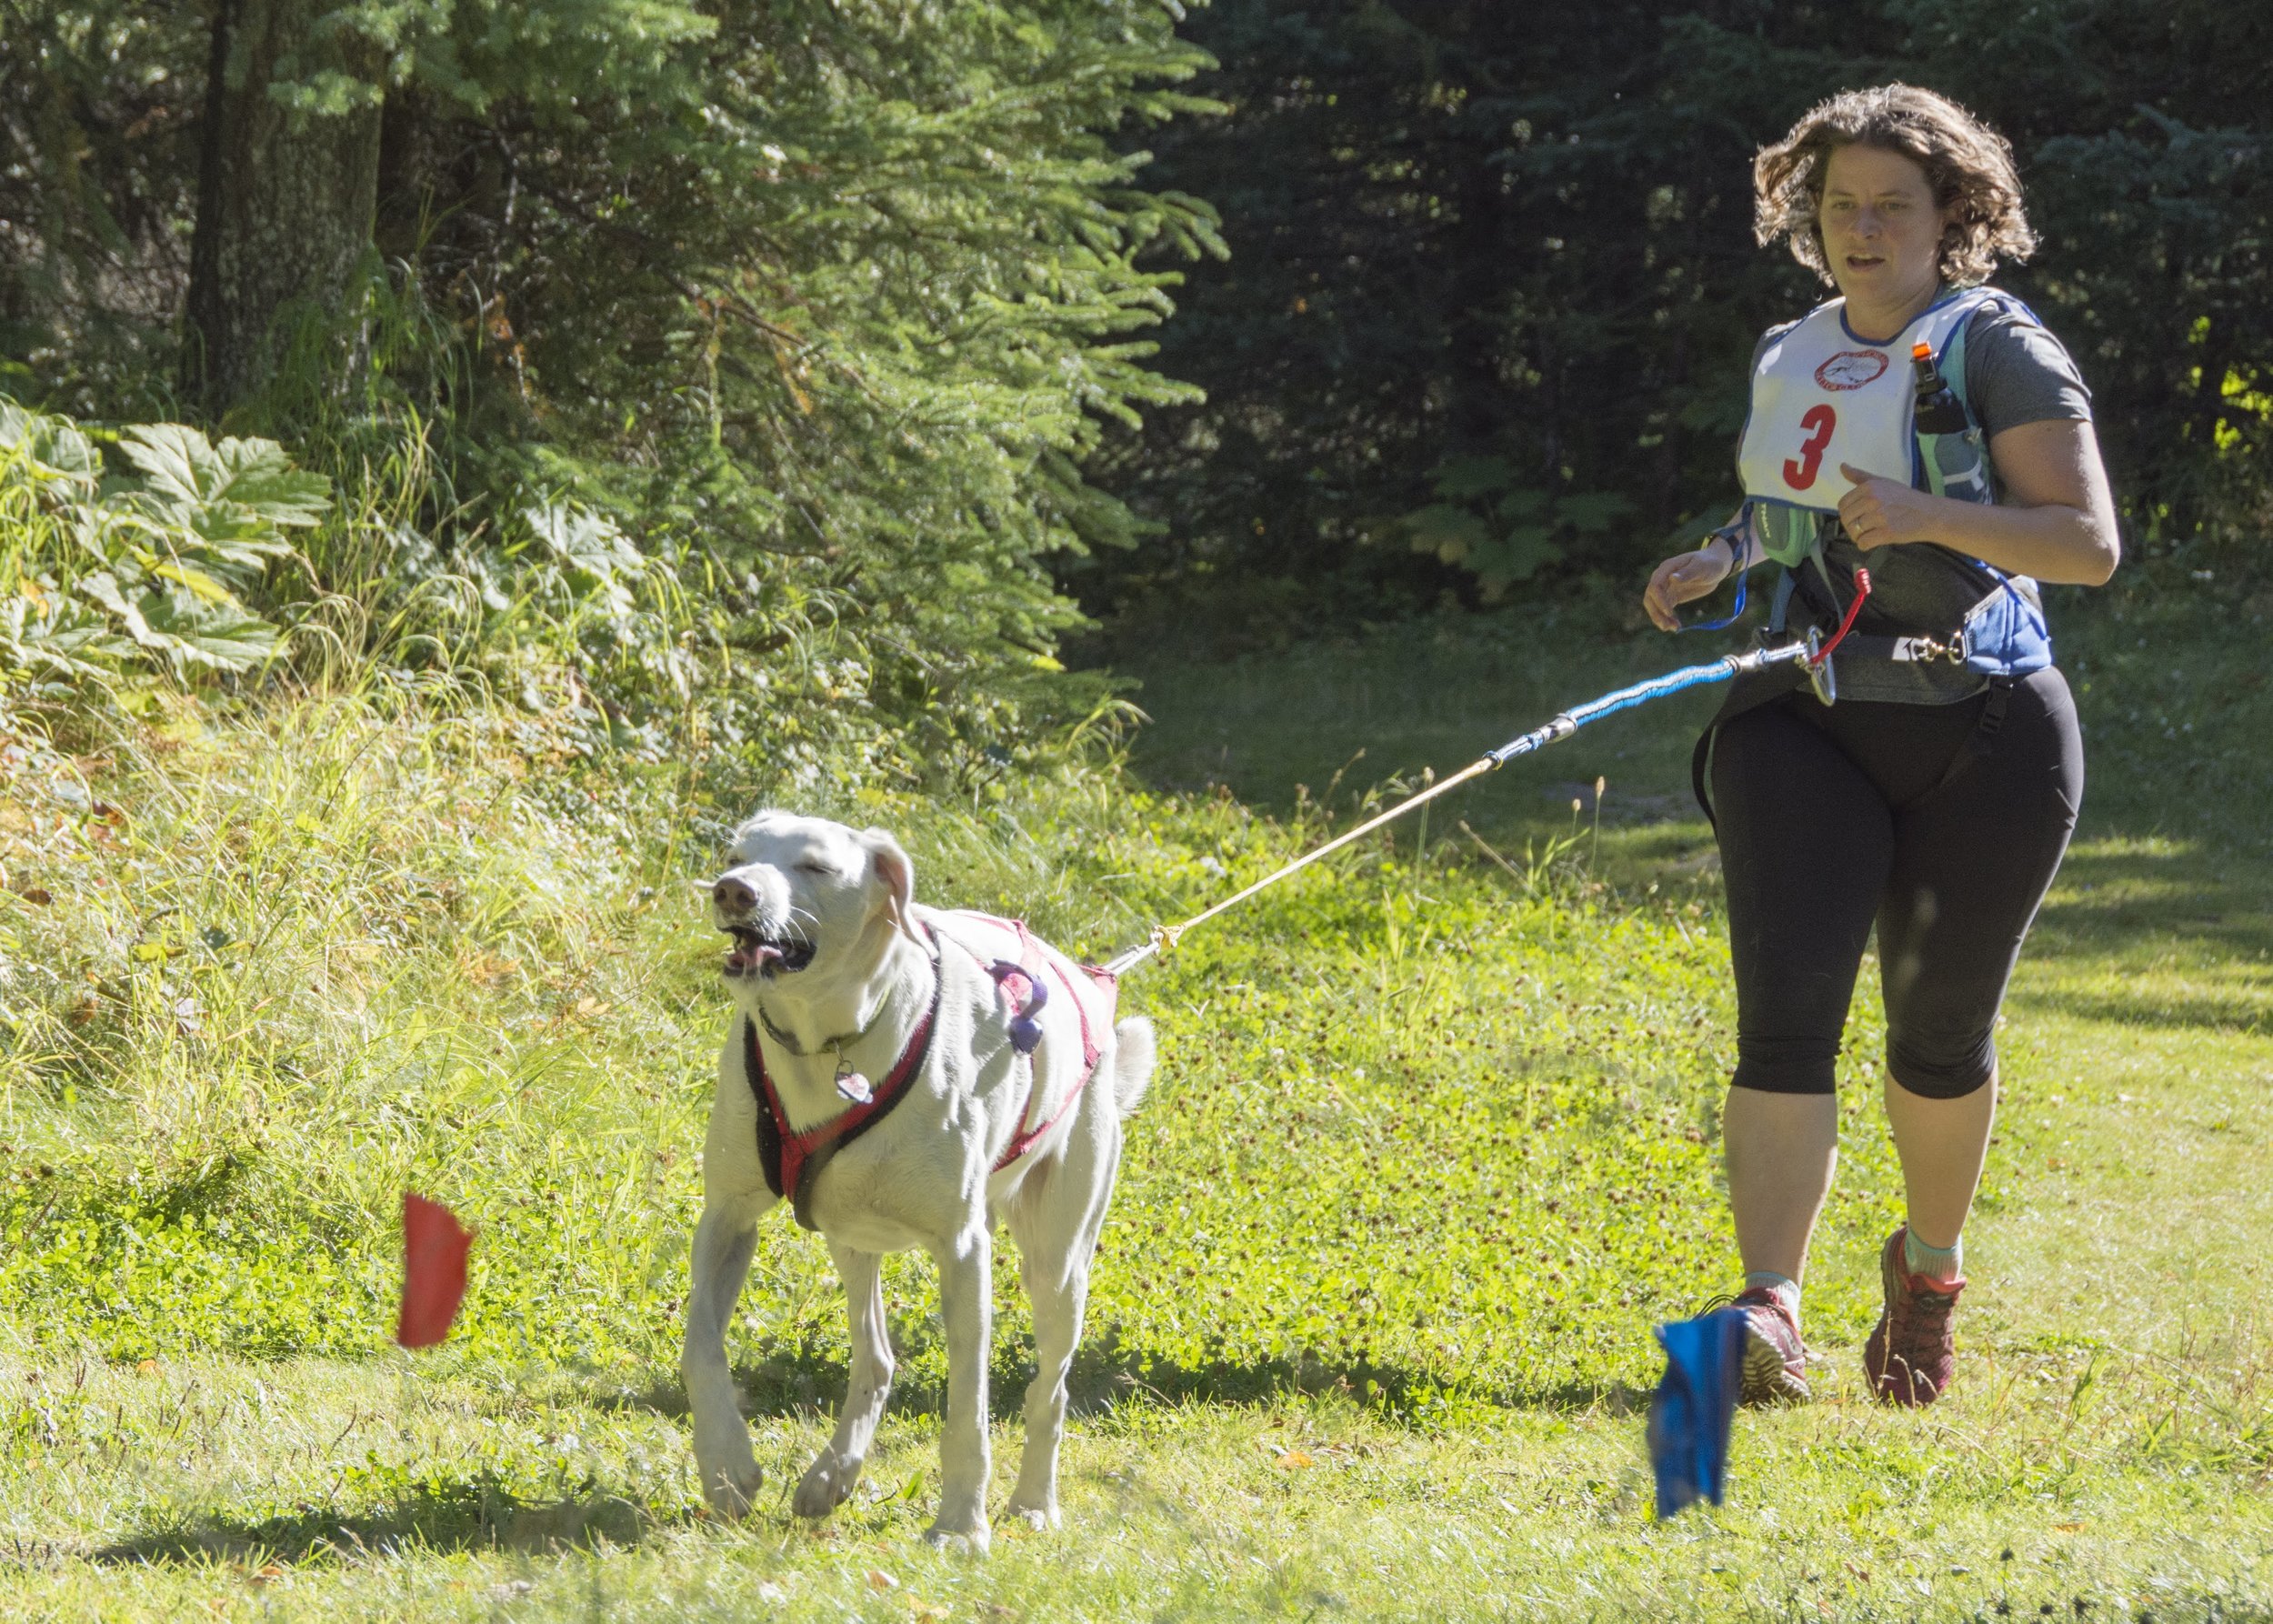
(1944,822)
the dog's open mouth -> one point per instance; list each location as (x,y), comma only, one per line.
(757,954)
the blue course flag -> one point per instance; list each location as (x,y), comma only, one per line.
(1694,1403)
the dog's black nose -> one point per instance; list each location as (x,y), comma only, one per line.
(733,895)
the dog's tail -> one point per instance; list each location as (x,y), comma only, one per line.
(1133,1050)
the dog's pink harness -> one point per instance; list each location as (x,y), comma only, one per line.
(790,1159)
(1028,1003)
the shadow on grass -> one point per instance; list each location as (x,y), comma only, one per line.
(2187,905)
(2242,1015)
(441,1512)
(1107,1377)
(435,1512)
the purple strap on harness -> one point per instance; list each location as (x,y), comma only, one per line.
(1026,1032)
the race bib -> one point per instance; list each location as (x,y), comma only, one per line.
(1822,397)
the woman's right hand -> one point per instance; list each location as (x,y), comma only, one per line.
(1683,577)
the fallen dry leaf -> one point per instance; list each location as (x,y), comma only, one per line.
(882,1580)
(489,971)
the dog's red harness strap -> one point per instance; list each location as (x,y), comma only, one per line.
(768,1109)
(786,1156)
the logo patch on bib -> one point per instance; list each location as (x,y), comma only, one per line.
(1852,368)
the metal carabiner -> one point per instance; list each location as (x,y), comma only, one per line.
(1821,674)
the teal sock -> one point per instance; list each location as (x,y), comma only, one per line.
(1785,1288)
(1935,1263)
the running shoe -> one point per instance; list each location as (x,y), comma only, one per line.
(1774,1368)
(1912,1350)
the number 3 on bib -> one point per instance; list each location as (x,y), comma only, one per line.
(1799,472)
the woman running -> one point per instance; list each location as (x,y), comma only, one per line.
(1923,433)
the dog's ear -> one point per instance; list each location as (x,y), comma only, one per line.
(897,873)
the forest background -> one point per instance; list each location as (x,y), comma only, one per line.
(828,345)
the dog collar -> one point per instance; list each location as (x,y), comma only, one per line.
(789,1044)
(849,1083)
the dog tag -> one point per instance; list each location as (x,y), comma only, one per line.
(853,1085)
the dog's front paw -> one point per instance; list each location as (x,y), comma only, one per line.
(964,1534)
(827,1484)
(1040,1519)
(731,1488)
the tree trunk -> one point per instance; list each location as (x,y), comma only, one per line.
(284,198)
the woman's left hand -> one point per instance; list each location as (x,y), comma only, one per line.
(1879,513)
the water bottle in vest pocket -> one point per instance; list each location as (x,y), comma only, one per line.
(1949,445)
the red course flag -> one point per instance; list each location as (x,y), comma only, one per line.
(433,1272)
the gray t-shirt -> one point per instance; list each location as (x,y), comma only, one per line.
(2015,373)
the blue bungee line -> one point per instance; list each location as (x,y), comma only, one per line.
(1729,666)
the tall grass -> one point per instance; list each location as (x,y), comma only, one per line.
(269,963)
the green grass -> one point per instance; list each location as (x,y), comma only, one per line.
(1431,1147)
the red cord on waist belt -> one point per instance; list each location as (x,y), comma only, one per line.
(1862,591)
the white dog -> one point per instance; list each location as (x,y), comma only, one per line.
(905,1077)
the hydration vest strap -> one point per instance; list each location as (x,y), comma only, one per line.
(1823,570)
(1779,611)
(1953,373)
(1982,742)
(1952,365)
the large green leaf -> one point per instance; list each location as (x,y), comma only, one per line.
(57,448)
(52,633)
(232,540)
(1450,532)
(181,465)
(201,586)
(221,635)
(598,557)
(588,540)
(183,624)
(105,588)
(1461,477)
(1518,555)
(1526,504)
(1591,513)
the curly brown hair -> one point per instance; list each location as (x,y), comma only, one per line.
(1968,165)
